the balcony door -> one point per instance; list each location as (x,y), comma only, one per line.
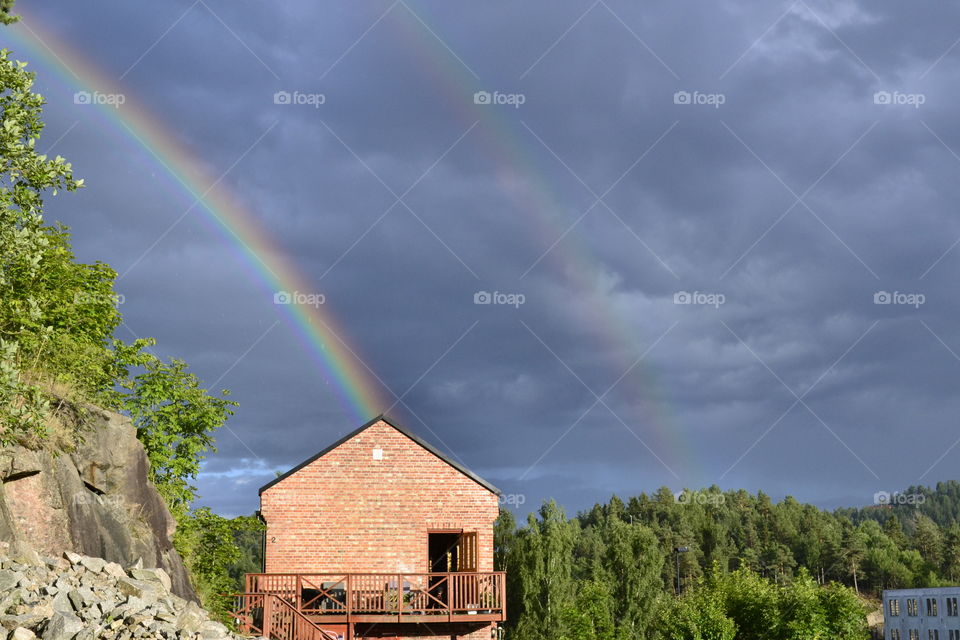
(451,551)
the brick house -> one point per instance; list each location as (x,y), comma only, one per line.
(377,536)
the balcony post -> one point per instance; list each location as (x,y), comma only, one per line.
(451,595)
(267,616)
(349,607)
(503,596)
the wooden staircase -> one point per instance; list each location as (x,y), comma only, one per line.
(270,616)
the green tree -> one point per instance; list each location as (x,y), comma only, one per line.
(750,601)
(801,613)
(175,419)
(209,548)
(951,553)
(590,616)
(248,538)
(698,615)
(844,613)
(853,552)
(504,537)
(544,549)
(928,539)
(633,561)
(6,17)
(27,247)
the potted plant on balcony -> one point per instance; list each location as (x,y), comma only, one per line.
(484,605)
(391,598)
(487,602)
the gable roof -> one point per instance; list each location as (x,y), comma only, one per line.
(426,445)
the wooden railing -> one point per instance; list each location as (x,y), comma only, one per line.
(402,596)
(271,616)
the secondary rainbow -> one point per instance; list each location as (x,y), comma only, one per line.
(517,158)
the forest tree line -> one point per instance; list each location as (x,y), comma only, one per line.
(752,567)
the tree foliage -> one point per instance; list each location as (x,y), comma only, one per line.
(742,605)
(175,419)
(208,543)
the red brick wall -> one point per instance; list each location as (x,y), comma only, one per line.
(346,512)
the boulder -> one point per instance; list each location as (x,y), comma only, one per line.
(191,618)
(62,626)
(137,588)
(9,579)
(152,575)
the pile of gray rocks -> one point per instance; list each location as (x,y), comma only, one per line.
(82,598)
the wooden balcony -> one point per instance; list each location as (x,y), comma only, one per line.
(346,598)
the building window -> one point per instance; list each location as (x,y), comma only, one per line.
(911,606)
(894,606)
(954,634)
(894,634)
(951,606)
(932,608)
(914,634)
(933,634)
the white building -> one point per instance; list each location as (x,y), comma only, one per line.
(921,614)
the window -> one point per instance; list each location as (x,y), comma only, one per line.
(914,634)
(912,607)
(894,634)
(954,634)
(951,606)
(932,609)
(894,606)
(933,634)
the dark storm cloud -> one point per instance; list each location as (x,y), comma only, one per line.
(796,199)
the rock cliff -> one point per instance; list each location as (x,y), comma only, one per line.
(93,498)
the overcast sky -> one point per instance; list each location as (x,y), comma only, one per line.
(723,234)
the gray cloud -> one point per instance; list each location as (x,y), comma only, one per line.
(700,199)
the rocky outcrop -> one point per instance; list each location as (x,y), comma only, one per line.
(93,499)
(83,598)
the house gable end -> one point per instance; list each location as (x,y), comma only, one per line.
(381,418)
